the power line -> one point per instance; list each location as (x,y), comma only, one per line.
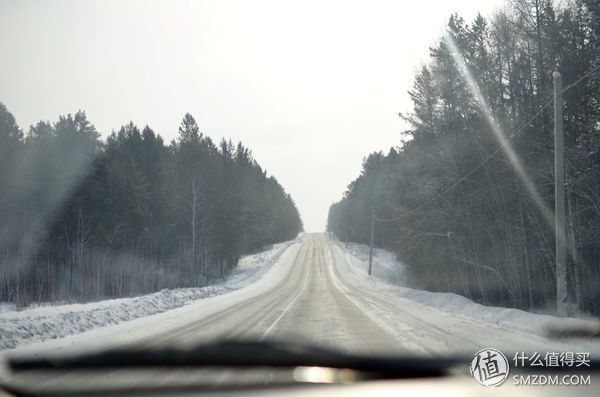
(595,68)
(489,157)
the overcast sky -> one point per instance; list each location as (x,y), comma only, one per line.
(311,87)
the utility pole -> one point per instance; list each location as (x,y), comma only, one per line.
(347,233)
(372,235)
(559,199)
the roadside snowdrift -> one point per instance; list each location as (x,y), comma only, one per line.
(53,322)
(388,281)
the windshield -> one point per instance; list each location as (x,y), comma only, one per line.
(382,178)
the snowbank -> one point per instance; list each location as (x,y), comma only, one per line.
(388,278)
(53,322)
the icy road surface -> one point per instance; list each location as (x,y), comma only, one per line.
(318,292)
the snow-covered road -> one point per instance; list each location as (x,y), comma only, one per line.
(307,304)
(319,292)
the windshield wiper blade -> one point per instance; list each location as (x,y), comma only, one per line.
(242,354)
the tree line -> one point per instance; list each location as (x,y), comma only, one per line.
(449,201)
(83,218)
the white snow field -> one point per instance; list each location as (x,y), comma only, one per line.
(312,289)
